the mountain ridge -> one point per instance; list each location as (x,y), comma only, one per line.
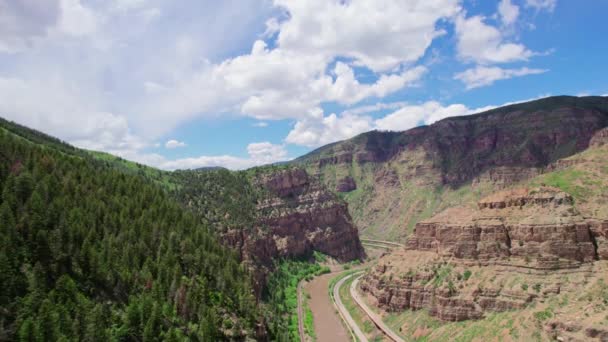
(400,178)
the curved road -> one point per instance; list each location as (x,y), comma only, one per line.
(354,329)
(372,315)
(344,312)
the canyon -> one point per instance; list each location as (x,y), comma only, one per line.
(393,180)
(504,211)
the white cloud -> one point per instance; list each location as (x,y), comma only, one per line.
(377,34)
(548,5)
(259,154)
(60,109)
(508,12)
(171,144)
(118,84)
(413,115)
(484,44)
(76,19)
(319,130)
(482,76)
(347,90)
(260,124)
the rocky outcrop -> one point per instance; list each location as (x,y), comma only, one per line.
(539,225)
(297,215)
(519,231)
(448,300)
(600,138)
(346,184)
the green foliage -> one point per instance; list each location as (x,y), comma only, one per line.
(467,274)
(441,274)
(524,287)
(568,181)
(309,321)
(91,252)
(282,297)
(319,257)
(223,198)
(543,315)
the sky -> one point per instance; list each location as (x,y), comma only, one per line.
(238,83)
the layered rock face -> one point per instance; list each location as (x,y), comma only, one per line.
(406,176)
(541,225)
(445,291)
(529,135)
(535,232)
(303,216)
(296,216)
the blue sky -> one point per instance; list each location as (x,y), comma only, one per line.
(191,83)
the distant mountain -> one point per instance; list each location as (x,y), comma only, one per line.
(399,178)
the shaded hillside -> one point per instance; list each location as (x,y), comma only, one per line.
(92,253)
(396,179)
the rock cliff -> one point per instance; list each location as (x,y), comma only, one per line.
(303,216)
(296,216)
(539,224)
(403,177)
(536,232)
(271,212)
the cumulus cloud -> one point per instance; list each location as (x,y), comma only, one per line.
(482,76)
(484,44)
(172,143)
(60,109)
(508,12)
(377,34)
(319,130)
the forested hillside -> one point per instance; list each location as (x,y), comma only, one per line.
(91,252)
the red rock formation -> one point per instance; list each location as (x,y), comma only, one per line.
(299,216)
(515,231)
(416,291)
(539,224)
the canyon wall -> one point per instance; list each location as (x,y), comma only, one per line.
(401,178)
(522,233)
